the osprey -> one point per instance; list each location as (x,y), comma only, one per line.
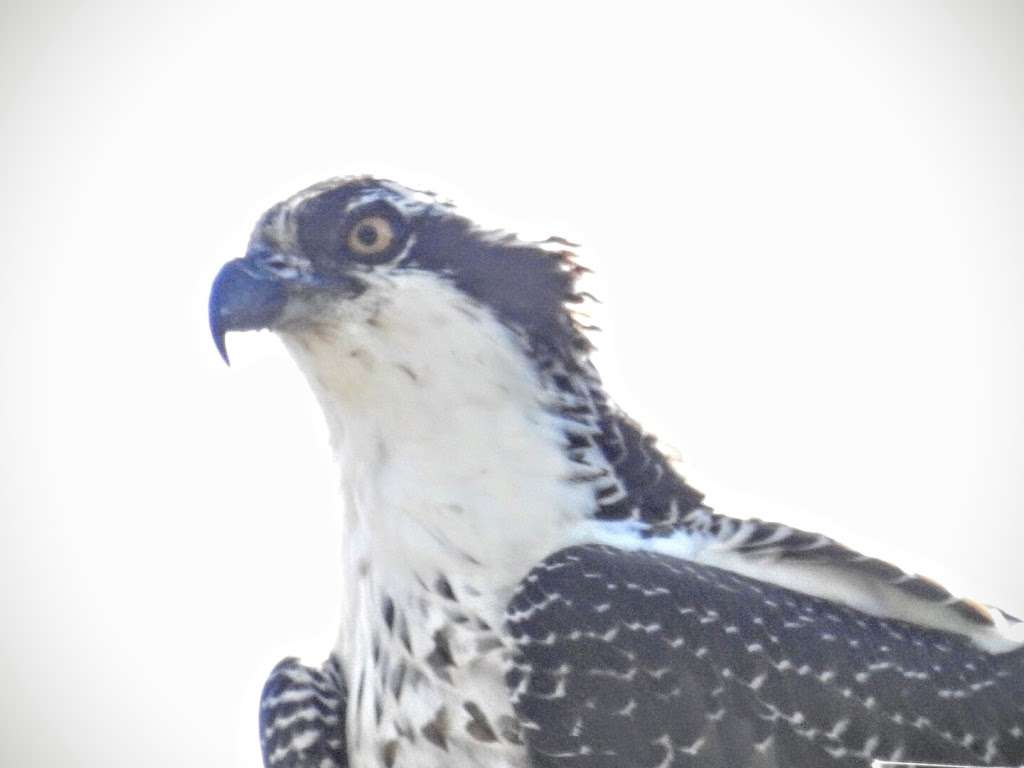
(528,581)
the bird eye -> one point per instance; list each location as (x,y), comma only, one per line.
(371,236)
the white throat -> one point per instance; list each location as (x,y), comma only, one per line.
(451,461)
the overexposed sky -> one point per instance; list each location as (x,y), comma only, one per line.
(805,219)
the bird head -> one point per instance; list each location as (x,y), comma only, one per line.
(346,252)
(443,357)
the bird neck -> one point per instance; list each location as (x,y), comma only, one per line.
(452,447)
(468,450)
(633,481)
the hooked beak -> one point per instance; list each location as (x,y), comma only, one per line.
(245,297)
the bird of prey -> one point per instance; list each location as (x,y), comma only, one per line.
(528,581)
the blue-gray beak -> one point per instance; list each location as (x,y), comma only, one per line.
(244,297)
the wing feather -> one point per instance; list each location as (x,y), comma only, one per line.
(302,716)
(816,564)
(634,658)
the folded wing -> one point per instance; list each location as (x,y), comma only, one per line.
(636,658)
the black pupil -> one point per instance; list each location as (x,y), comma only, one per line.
(367,235)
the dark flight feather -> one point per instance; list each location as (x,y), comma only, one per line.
(636,660)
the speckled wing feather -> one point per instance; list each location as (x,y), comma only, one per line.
(636,659)
(641,495)
(302,716)
(759,541)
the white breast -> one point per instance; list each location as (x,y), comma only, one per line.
(441,430)
(451,463)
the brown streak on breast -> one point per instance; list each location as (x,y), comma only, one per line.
(436,731)
(478,727)
(388,752)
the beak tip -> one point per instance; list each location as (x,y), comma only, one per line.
(218,328)
(219,339)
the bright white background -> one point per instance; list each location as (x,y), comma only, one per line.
(806,219)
